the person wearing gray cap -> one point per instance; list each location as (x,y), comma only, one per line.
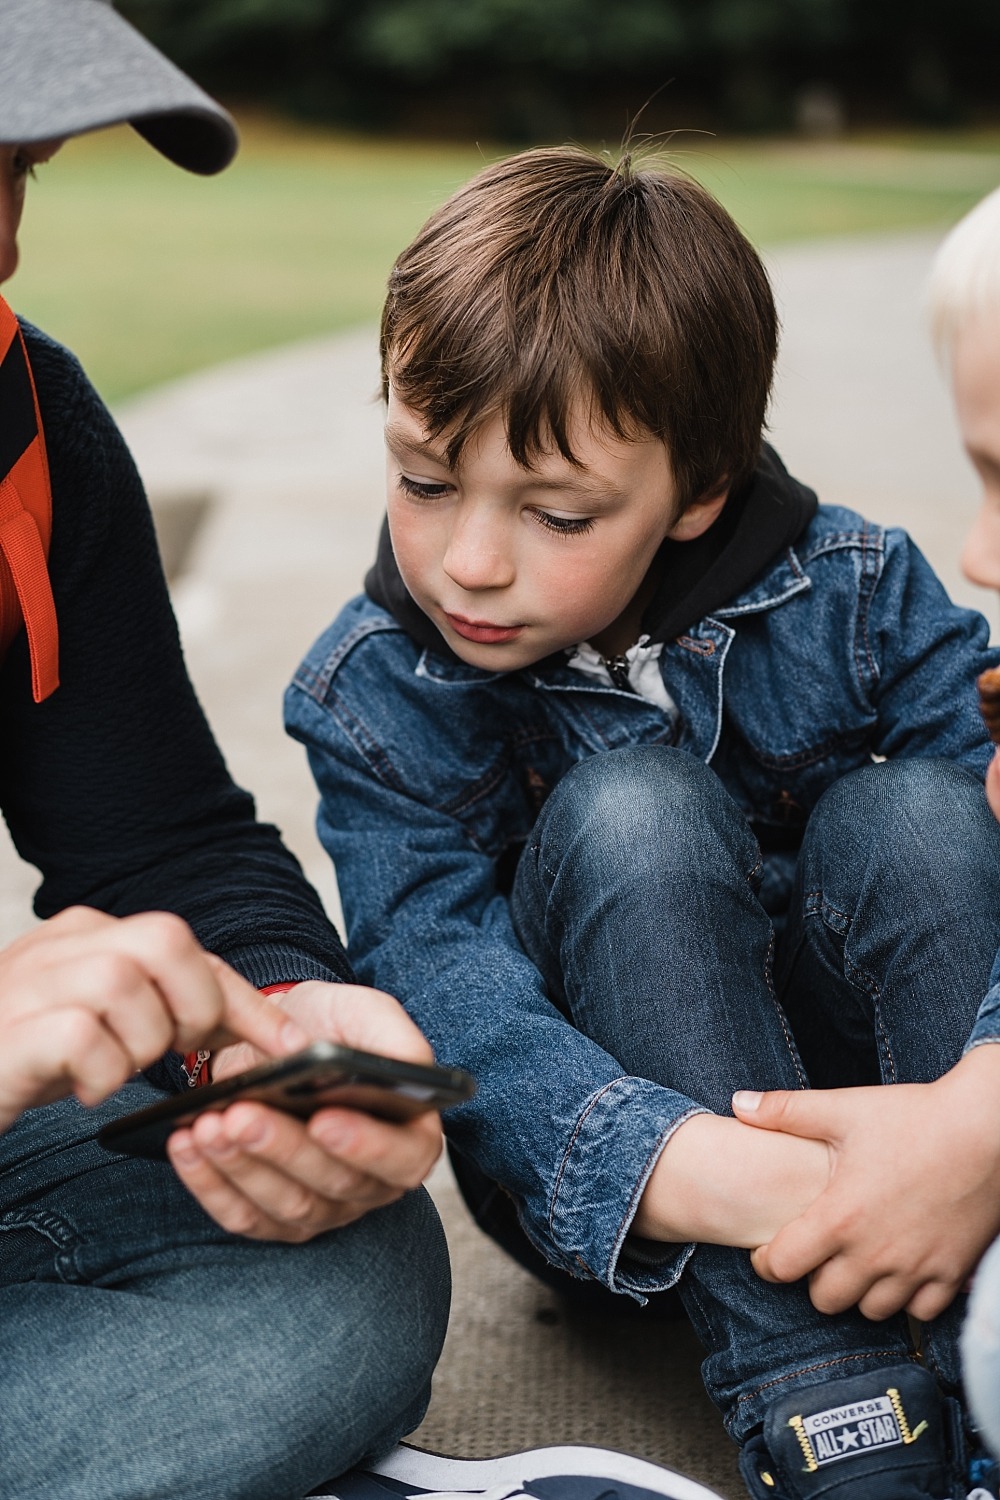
(234,1322)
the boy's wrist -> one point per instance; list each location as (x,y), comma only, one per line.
(721,1182)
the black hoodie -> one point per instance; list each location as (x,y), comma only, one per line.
(755,526)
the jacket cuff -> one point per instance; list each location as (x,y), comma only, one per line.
(616,1145)
(987,1027)
(987,1023)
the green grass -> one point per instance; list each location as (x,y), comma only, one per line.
(149,273)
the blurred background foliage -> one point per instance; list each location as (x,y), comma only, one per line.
(522,69)
(149,273)
(806,118)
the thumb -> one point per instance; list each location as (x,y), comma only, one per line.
(808,1112)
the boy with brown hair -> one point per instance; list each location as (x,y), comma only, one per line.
(648,780)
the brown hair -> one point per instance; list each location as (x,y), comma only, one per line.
(553,277)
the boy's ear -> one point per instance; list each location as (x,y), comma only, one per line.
(699,516)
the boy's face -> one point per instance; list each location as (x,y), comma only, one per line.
(975,374)
(976,389)
(510,563)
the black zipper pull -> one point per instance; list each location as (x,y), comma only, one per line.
(617,669)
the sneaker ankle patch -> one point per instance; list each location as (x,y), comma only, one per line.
(839,1432)
(884,1429)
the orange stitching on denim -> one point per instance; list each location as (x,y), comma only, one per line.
(827,1364)
(573,1140)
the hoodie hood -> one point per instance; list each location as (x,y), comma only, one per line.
(755,527)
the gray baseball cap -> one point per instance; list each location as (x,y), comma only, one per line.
(68,66)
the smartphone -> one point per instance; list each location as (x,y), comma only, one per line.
(324,1074)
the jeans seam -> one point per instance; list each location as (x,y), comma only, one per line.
(578,1127)
(864,981)
(826,1364)
(55,1229)
(793,1051)
(860,978)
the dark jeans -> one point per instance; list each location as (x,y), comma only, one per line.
(145,1352)
(637,897)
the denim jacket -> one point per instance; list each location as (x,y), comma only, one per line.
(431,773)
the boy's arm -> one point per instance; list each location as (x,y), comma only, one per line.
(554,1122)
(917,656)
(914,1197)
(114,787)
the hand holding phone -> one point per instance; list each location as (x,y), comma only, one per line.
(267,1174)
(324,1075)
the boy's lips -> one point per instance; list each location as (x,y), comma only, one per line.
(483,631)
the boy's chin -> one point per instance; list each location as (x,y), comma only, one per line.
(508,656)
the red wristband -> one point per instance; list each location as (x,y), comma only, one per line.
(195,1064)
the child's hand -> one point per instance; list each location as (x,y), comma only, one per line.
(263,1174)
(914,1198)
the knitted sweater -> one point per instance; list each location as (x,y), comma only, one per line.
(114,787)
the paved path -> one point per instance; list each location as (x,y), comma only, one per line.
(287,448)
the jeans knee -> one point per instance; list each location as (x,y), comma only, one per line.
(904,816)
(361,1360)
(405,1288)
(646,809)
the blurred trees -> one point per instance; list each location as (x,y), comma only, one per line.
(521,68)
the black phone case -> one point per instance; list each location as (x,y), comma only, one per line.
(325,1074)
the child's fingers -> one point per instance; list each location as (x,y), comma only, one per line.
(932,1298)
(797,1250)
(815,1113)
(400,1156)
(844,1281)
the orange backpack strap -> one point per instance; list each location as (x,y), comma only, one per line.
(25,514)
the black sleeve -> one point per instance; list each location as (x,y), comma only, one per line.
(114,787)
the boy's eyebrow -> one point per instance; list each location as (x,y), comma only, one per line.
(596,489)
(398,438)
(590,489)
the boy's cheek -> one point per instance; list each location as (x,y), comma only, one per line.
(993,785)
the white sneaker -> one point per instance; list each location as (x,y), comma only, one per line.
(566,1473)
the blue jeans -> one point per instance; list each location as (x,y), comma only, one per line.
(147,1353)
(638,898)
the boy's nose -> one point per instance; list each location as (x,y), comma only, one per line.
(477,557)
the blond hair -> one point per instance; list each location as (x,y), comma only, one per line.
(965,277)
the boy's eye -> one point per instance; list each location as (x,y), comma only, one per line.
(564,525)
(421,489)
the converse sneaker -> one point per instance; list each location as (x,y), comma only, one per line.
(887,1435)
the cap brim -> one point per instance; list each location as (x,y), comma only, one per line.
(69,66)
